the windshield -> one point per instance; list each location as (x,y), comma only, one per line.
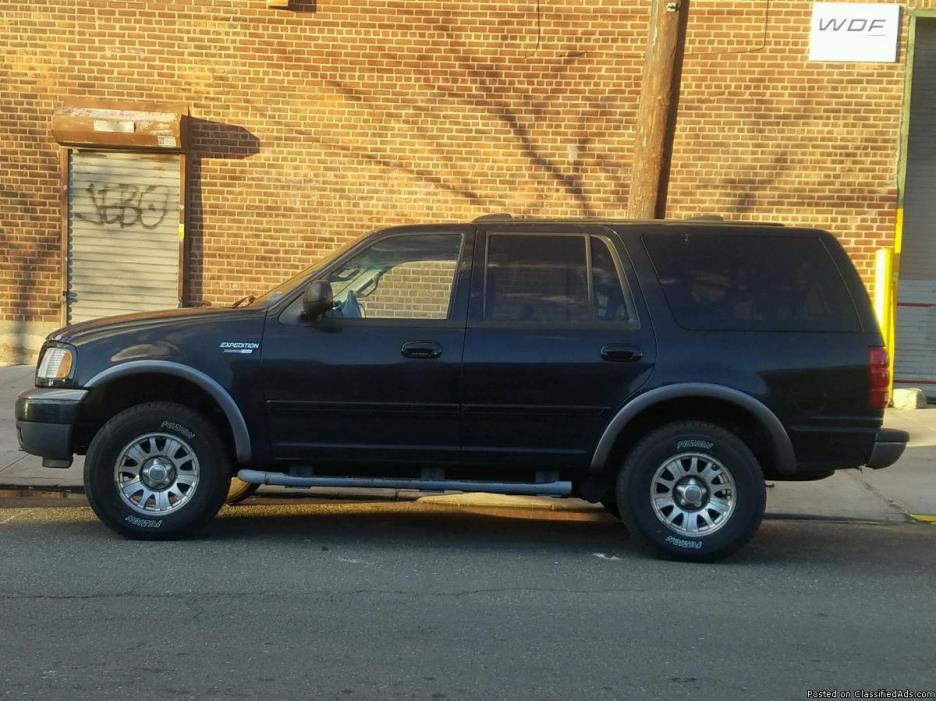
(289,285)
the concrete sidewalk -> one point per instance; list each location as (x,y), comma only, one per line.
(891,495)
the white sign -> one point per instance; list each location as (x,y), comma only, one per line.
(864,33)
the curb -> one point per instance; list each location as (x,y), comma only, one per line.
(504,501)
(466,499)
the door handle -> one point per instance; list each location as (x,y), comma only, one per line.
(421,349)
(621,354)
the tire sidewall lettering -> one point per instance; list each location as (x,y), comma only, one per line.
(694,443)
(176,427)
(143,522)
(684,542)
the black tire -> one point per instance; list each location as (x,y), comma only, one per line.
(734,527)
(240,490)
(196,435)
(610,505)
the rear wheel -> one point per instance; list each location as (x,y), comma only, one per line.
(692,491)
(157,471)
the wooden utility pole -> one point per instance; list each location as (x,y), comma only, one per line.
(656,113)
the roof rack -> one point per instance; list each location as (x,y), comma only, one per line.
(720,218)
(700,219)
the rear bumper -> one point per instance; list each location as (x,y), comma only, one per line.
(44,421)
(889,445)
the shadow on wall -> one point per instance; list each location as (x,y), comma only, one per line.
(34,257)
(754,185)
(302,5)
(20,339)
(207,140)
(565,151)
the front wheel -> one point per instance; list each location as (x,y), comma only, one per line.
(157,471)
(692,491)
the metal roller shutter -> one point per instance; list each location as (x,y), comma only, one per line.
(915,342)
(123,243)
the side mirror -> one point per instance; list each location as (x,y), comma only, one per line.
(317,299)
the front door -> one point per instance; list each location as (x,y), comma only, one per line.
(554,344)
(375,381)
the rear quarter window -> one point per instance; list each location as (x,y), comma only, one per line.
(741,282)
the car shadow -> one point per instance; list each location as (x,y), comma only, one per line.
(410,529)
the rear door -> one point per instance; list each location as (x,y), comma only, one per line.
(557,339)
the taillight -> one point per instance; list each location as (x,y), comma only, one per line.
(879,372)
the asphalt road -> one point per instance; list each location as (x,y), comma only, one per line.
(410,601)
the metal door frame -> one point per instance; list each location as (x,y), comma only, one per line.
(903,148)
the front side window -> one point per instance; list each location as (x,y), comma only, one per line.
(553,279)
(400,277)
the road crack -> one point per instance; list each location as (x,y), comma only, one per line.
(892,503)
(195,596)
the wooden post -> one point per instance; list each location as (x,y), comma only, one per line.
(656,113)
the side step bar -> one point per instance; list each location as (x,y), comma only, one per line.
(553,489)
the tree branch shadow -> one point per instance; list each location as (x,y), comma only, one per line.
(482,86)
(423,174)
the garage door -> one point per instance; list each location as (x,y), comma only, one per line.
(123,242)
(915,341)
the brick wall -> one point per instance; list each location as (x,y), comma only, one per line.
(764,133)
(316,124)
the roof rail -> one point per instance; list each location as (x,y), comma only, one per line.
(720,218)
(500,216)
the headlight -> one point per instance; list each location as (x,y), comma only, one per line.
(55,366)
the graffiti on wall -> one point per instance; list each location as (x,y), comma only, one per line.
(126,205)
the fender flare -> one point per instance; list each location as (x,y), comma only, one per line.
(781,447)
(231,411)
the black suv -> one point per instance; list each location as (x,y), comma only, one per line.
(662,368)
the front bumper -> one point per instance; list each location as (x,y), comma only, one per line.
(889,445)
(44,421)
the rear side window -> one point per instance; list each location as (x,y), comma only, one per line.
(751,283)
(554,279)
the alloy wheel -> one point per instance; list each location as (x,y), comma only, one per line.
(156,473)
(693,494)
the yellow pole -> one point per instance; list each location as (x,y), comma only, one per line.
(885,302)
(895,286)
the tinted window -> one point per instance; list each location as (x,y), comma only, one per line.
(610,299)
(401,277)
(545,279)
(740,282)
(536,278)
